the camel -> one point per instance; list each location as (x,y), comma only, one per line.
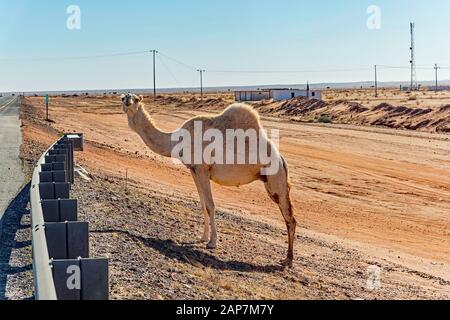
(237,116)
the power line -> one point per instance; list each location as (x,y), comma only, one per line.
(392,67)
(378,67)
(178,62)
(133,53)
(423,67)
(168,70)
(289,71)
(99,56)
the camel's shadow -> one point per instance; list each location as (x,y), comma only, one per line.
(187,253)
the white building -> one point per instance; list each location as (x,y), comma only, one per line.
(276,94)
(439,88)
(252,95)
(286,94)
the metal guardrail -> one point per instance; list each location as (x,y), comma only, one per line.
(42,269)
(61,243)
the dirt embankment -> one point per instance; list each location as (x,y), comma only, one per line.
(191,101)
(345,112)
(421,118)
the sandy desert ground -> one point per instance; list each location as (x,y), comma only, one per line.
(364,196)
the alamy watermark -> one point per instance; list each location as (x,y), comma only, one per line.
(374,278)
(74,280)
(232,147)
(374,20)
(73,21)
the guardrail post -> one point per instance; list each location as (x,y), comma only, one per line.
(61,210)
(82,279)
(67,275)
(67,240)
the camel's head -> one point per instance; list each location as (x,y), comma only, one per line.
(130,103)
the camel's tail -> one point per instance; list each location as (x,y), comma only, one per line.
(286,167)
(289,186)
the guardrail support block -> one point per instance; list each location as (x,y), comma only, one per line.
(82,279)
(68,210)
(47,191)
(94,279)
(77,240)
(54,190)
(67,240)
(62,190)
(56,234)
(78,141)
(63,210)
(53,176)
(46,177)
(50,209)
(67,277)
(59,176)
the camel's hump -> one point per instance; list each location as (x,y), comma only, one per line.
(240,110)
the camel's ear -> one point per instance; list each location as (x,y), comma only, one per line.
(141,98)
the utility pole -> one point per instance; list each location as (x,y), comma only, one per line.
(436,68)
(413,58)
(154,72)
(201,71)
(46,107)
(376,82)
(308,90)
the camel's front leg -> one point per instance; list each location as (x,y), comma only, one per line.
(202,182)
(205,237)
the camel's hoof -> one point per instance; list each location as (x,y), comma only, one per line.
(204,240)
(211,246)
(288,263)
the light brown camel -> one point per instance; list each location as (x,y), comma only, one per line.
(238,116)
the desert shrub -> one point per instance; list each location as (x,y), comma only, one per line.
(412,98)
(325,119)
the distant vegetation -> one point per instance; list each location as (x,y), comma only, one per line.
(325,119)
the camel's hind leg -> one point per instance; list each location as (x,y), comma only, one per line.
(203,183)
(279,191)
(205,237)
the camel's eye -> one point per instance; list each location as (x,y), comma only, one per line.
(123,99)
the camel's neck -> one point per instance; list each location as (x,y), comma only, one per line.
(155,139)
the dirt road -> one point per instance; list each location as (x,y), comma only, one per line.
(364,197)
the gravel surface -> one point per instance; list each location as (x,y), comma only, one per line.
(16,276)
(151,241)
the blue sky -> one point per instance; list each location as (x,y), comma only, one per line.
(214,35)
